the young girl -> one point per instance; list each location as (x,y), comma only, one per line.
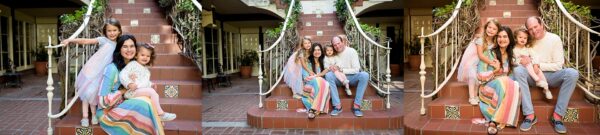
(331,59)
(136,78)
(480,46)
(89,78)
(294,66)
(523,49)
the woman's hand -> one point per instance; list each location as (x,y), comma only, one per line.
(495,64)
(65,42)
(309,78)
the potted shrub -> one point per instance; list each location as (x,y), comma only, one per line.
(247,61)
(414,58)
(41,62)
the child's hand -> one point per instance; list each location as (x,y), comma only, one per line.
(495,64)
(132,86)
(308,89)
(536,69)
(525,60)
(133,77)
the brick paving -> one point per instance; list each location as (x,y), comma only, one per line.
(24,109)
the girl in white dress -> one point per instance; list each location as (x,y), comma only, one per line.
(89,78)
(331,59)
(523,49)
(136,78)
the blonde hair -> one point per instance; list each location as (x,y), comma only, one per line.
(299,46)
(485,36)
(529,38)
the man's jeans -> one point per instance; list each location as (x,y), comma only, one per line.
(360,79)
(566,79)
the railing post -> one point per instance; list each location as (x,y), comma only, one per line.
(260,77)
(388,75)
(50,86)
(422,72)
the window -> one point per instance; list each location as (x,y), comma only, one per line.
(211,50)
(225,51)
(3,43)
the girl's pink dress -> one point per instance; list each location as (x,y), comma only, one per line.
(89,78)
(468,64)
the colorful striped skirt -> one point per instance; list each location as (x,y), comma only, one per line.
(319,98)
(132,116)
(500,101)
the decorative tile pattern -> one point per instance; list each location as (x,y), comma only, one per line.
(319,16)
(452,112)
(134,23)
(154,38)
(131,1)
(118,11)
(329,23)
(572,115)
(171,91)
(282,105)
(366,105)
(84,131)
(520,2)
(506,14)
(308,24)
(320,33)
(147,11)
(492,2)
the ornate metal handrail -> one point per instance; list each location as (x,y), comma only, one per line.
(187,48)
(371,54)
(278,54)
(50,82)
(582,41)
(450,58)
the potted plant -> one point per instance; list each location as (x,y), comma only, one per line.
(414,58)
(41,61)
(247,61)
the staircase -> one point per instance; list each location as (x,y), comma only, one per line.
(178,79)
(450,112)
(279,110)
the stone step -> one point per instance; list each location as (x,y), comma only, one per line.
(285,90)
(315,17)
(136,4)
(460,90)
(507,21)
(321,27)
(262,118)
(513,13)
(184,89)
(170,48)
(159,38)
(586,112)
(175,73)
(127,1)
(510,7)
(70,124)
(138,15)
(487,2)
(156,29)
(282,103)
(172,60)
(420,124)
(144,22)
(185,108)
(321,32)
(138,10)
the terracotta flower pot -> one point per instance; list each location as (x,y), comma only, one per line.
(414,61)
(245,71)
(395,69)
(41,68)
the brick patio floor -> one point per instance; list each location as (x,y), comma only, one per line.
(24,109)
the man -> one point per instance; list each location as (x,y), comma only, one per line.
(349,65)
(550,52)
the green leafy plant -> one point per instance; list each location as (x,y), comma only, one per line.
(341,9)
(372,30)
(185,5)
(165,3)
(77,16)
(274,32)
(41,54)
(248,57)
(415,45)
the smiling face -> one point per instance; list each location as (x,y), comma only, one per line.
(329,51)
(317,51)
(128,50)
(522,38)
(535,28)
(306,44)
(338,45)
(491,29)
(503,39)
(143,56)
(112,32)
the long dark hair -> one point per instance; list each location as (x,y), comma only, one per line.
(311,57)
(509,48)
(117,58)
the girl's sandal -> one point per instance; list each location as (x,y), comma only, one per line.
(311,114)
(492,128)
